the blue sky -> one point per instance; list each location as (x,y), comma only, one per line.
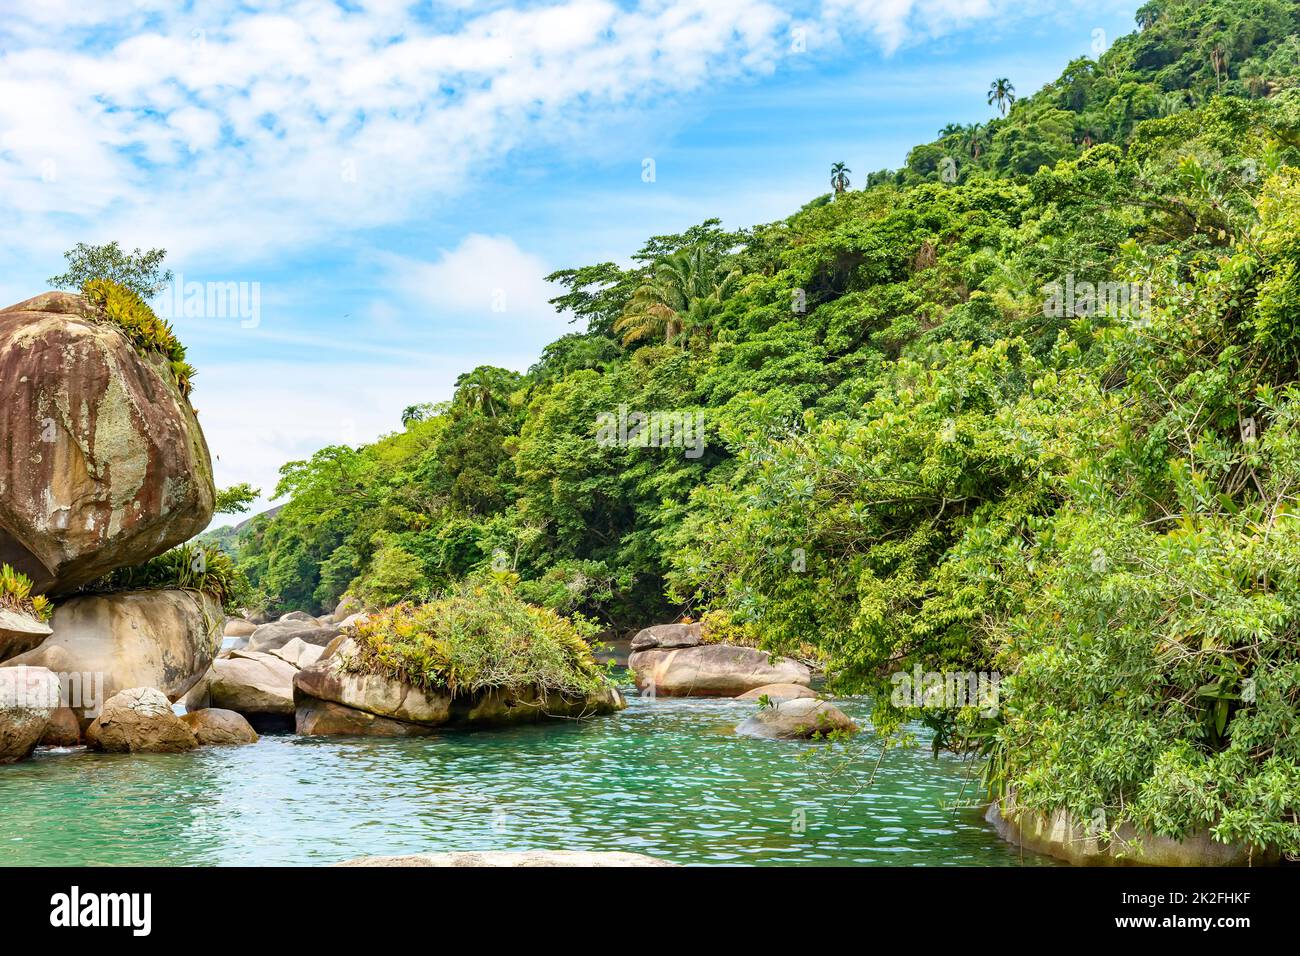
(396,179)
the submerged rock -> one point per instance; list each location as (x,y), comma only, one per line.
(140,720)
(213,726)
(799,719)
(513,858)
(29,696)
(160,639)
(104,464)
(712,670)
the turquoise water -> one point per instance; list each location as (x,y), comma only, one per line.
(665,777)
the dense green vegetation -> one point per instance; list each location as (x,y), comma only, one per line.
(193,566)
(481,636)
(1027,404)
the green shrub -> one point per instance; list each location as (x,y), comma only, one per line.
(148,333)
(479,637)
(190,567)
(16,595)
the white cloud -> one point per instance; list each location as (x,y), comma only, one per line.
(232,132)
(485,278)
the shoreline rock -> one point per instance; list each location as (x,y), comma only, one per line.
(164,639)
(140,720)
(1062,837)
(29,696)
(213,726)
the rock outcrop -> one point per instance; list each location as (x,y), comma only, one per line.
(29,696)
(140,720)
(326,691)
(711,670)
(103,463)
(799,719)
(160,639)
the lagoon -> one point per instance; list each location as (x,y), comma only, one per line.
(666,778)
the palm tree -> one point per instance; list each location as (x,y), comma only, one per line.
(975,140)
(1219,60)
(1002,93)
(680,299)
(486,388)
(840,178)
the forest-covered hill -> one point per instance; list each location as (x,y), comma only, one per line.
(1026,405)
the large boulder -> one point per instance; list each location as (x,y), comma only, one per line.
(103,463)
(712,670)
(213,726)
(161,639)
(668,636)
(140,720)
(270,637)
(582,858)
(798,719)
(252,683)
(326,691)
(20,632)
(29,696)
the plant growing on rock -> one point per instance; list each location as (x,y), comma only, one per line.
(190,567)
(146,331)
(480,636)
(16,595)
(138,271)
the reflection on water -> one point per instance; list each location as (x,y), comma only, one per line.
(666,777)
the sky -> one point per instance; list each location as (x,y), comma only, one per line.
(362,199)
